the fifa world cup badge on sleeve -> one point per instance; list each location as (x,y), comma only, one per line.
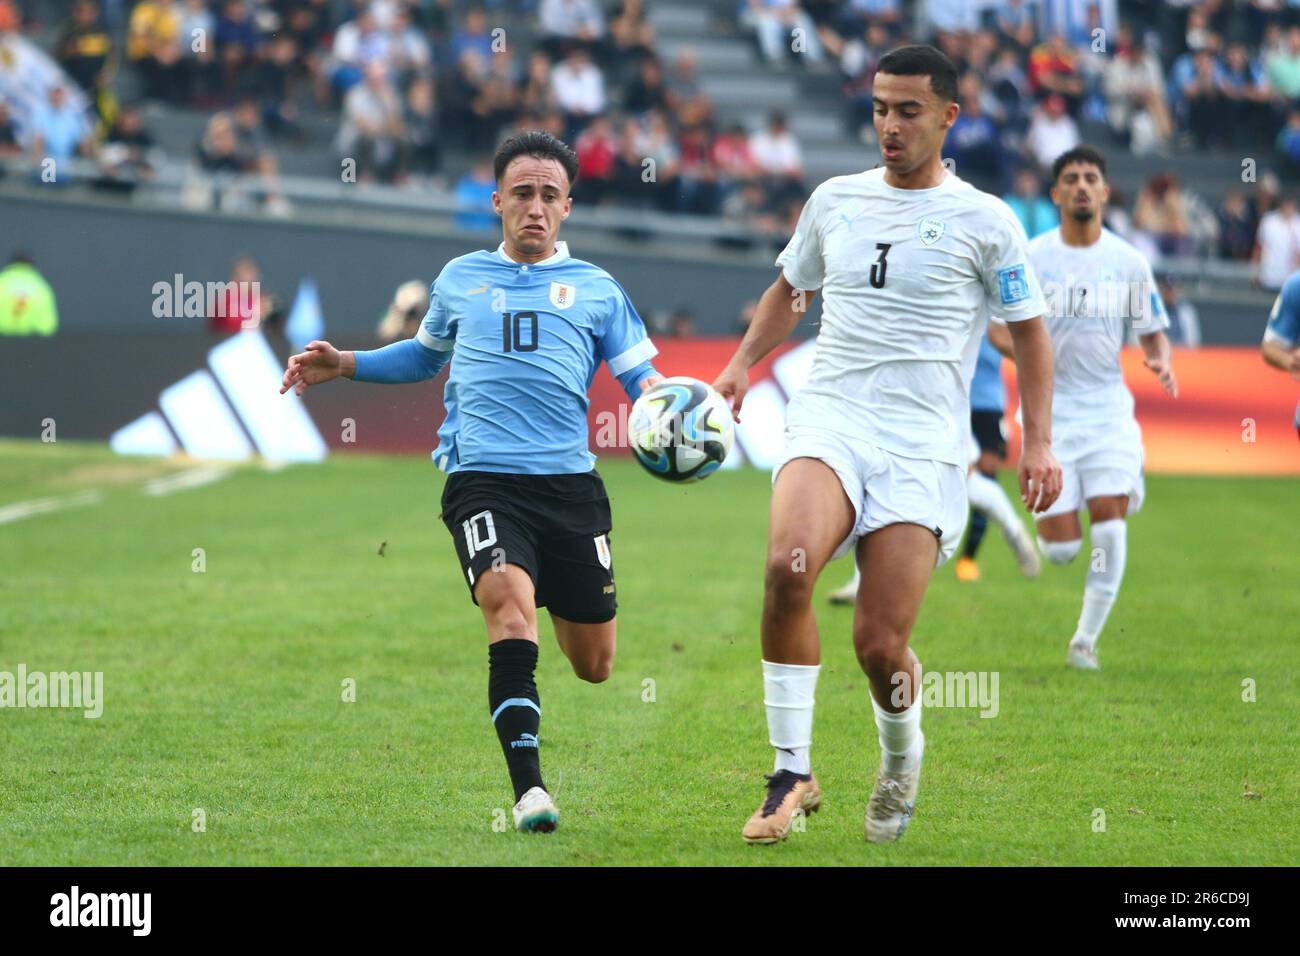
(1012,284)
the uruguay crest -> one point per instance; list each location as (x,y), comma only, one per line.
(562,295)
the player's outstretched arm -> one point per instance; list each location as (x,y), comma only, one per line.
(1000,339)
(1159,359)
(1039,471)
(401,362)
(778,312)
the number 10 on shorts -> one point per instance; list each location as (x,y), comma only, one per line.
(474,540)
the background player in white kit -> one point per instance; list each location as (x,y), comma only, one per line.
(1095,283)
(909,257)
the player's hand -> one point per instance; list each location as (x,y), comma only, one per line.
(1165,372)
(320,363)
(1040,478)
(649,382)
(732,385)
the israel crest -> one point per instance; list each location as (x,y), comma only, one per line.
(930,231)
(562,295)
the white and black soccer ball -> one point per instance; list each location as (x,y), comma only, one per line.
(681,429)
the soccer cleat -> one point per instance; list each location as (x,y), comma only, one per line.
(1082,656)
(848,594)
(787,794)
(1026,554)
(967,569)
(536,812)
(890,808)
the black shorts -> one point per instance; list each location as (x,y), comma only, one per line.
(555,527)
(987,426)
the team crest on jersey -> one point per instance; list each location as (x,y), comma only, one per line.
(562,295)
(930,231)
(602,550)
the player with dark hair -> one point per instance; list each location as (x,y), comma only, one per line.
(910,260)
(525,328)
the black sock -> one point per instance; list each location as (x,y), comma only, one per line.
(978,525)
(516,709)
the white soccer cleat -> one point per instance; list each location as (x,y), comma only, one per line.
(536,812)
(893,799)
(1023,546)
(1082,656)
(849,593)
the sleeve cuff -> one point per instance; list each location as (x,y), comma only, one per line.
(643,351)
(430,342)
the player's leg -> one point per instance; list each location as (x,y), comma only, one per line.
(1108,533)
(589,647)
(811,517)
(847,593)
(497,554)
(897,562)
(988,500)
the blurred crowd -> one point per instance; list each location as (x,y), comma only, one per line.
(408,82)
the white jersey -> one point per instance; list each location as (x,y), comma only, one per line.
(908,277)
(1093,294)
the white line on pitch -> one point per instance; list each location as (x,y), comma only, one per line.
(191,478)
(37,506)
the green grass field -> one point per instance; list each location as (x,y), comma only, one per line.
(223,689)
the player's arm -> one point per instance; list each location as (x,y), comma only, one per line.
(1276,354)
(626,348)
(778,312)
(1039,472)
(1000,339)
(406,361)
(1159,359)
(1281,345)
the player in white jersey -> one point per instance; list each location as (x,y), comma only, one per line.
(1096,286)
(907,258)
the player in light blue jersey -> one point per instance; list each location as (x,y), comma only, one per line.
(1281,348)
(525,327)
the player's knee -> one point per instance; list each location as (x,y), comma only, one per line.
(878,645)
(1060,552)
(787,577)
(595,668)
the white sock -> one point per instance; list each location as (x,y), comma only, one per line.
(1105,572)
(788,696)
(987,495)
(901,740)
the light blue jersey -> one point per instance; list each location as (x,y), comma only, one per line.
(525,340)
(987,394)
(1284,321)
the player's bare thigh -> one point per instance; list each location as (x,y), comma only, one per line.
(1107,507)
(897,562)
(989,462)
(506,597)
(589,647)
(810,517)
(1064,527)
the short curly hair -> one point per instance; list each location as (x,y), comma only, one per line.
(537,143)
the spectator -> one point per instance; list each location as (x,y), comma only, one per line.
(1134,87)
(197,73)
(1283,68)
(579,89)
(1277,245)
(10,147)
(774,24)
(632,34)
(473,35)
(60,132)
(1161,213)
(973,142)
(750,209)
(1014,21)
(154,46)
(474,199)
(537,95)
(1287,144)
(276,73)
(241,306)
(373,130)
(777,155)
(218,149)
(1054,69)
(1236,227)
(425,154)
(1244,94)
(699,177)
(85,45)
(357,44)
(1009,85)
(567,24)
(858,59)
(687,99)
(648,91)
(27,305)
(237,42)
(1051,132)
(405,313)
(733,158)
(129,152)
(1200,93)
(1034,210)
(597,150)
(1184,319)
(409,54)
(631,185)
(657,144)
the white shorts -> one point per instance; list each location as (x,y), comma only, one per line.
(885,488)
(1098,461)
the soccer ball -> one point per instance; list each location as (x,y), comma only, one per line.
(681,429)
